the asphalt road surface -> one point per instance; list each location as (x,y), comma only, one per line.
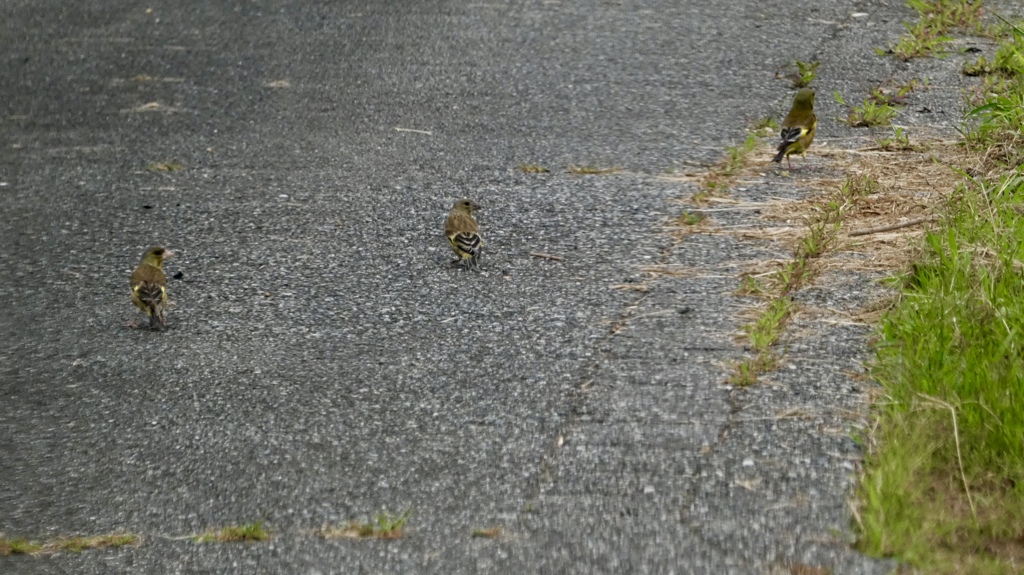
(324,362)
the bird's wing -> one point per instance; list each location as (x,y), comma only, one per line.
(466,242)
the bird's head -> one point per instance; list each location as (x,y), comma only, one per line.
(804,99)
(156,255)
(466,205)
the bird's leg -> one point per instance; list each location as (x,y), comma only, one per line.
(789,163)
(132,324)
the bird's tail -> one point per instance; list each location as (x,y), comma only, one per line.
(782,154)
(152,295)
(469,245)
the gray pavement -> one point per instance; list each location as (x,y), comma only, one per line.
(323,362)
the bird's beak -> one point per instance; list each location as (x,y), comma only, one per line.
(168,254)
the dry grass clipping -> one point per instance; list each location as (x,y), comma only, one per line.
(911,190)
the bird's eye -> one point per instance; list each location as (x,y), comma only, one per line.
(158,252)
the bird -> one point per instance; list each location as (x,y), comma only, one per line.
(798,127)
(463,233)
(149,286)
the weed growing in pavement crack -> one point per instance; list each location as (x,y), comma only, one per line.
(246,532)
(383,526)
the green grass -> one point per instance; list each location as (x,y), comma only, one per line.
(383,526)
(930,33)
(72,544)
(736,156)
(591,170)
(822,229)
(979,67)
(948,480)
(767,124)
(996,129)
(718,180)
(868,114)
(18,546)
(766,329)
(801,74)
(900,142)
(238,533)
(689,219)
(920,41)
(489,533)
(943,487)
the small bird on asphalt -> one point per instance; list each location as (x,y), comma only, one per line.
(463,233)
(798,127)
(149,286)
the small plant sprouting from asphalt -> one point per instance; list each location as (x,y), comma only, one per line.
(762,333)
(946,15)
(921,40)
(817,240)
(804,74)
(247,532)
(854,188)
(822,232)
(745,374)
(766,125)
(689,219)
(718,180)
(749,286)
(900,142)
(767,328)
(392,524)
(868,114)
(879,108)
(928,35)
(383,526)
(980,67)
(18,546)
(489,533)
(737,155)
(72,544)
(592,170)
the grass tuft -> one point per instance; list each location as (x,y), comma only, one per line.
(800,74)
(943,486)
(238,533)
(591,170)
(929,35)
(948,479)
(383,526)
(18,546)
(72,544)
(689,219)
(489,533)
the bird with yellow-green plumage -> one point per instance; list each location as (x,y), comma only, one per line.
(149,286)
(463,233)
(798,127)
